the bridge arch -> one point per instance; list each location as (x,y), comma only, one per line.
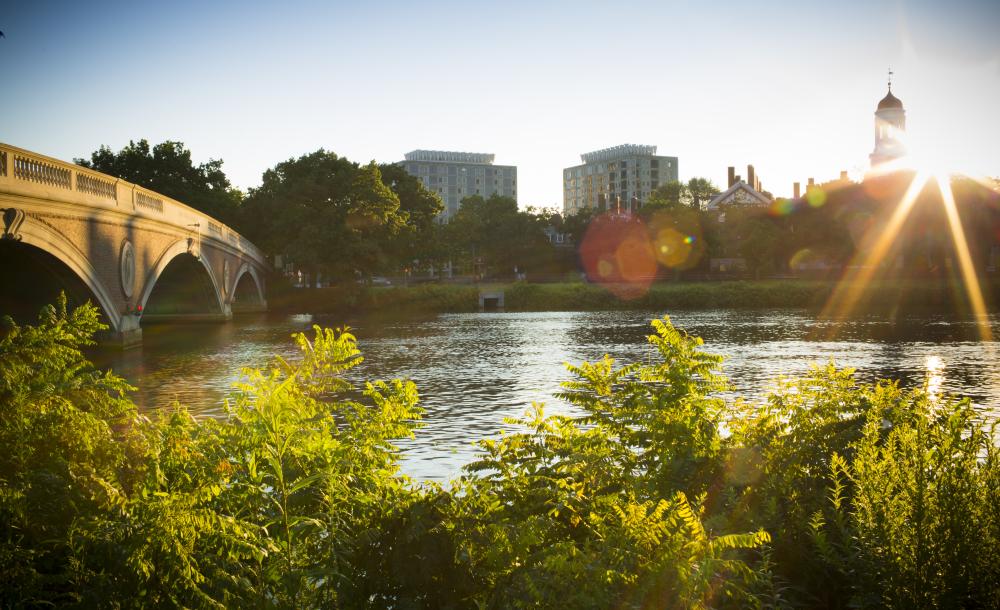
(50,241)
(113,242)
(246,294)
(175,250)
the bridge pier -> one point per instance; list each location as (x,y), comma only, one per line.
(128,335)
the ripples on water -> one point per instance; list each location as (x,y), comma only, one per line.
(472,370)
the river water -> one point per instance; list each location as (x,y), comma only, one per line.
(472,370)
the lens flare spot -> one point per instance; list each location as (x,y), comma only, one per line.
(617,253)
(782,207)
(672,247)
(605,268)
(805,259)
(816,197)
(635,258)
(677,238)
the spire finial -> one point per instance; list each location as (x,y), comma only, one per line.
(890,80)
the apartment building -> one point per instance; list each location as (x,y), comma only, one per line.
(622,176)
(457,175)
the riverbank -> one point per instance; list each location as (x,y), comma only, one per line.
(302,478)
(887,297)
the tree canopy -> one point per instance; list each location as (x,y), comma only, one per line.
(167,168)
(332,216)
(498,237)
(701,191)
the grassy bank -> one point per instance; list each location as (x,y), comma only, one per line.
(879,297)
(352,299)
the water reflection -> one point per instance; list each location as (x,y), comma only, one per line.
(473,370)
(934,377)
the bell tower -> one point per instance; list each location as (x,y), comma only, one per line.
(890,124)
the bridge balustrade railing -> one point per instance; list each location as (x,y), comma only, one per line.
(29,174)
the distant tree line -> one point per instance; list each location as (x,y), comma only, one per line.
(328,216)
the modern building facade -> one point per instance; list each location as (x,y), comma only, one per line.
(457,175)
(622,176)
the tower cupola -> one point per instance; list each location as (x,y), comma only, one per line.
(890,126)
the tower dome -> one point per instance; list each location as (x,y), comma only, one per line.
(890,101)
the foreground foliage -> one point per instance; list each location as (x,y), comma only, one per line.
(830,494)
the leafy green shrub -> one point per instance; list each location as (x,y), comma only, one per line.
(100,504)
(586,512)
(876,496)
(923,514)
(829,494)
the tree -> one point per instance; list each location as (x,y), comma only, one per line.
(496,234)
(575,225)
(326,214)
(751,234)
(167,168)
(669,194)
(420,239)
(701,191)
(373,220)
(422,205)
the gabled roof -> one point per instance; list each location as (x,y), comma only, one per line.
(740,193)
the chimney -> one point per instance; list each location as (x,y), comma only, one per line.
(843,176)
(732,175)
(812,182)
(796,190)
(751,177)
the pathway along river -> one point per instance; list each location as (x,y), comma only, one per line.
(472,370)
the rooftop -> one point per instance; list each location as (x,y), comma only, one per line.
(447,156)
(617,152)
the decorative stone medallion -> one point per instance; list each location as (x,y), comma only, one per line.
(127,268)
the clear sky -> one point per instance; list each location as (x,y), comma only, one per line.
(790,87)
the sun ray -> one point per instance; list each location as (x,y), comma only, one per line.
(864,264)
(968,269)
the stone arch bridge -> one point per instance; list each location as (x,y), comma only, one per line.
(133,252)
